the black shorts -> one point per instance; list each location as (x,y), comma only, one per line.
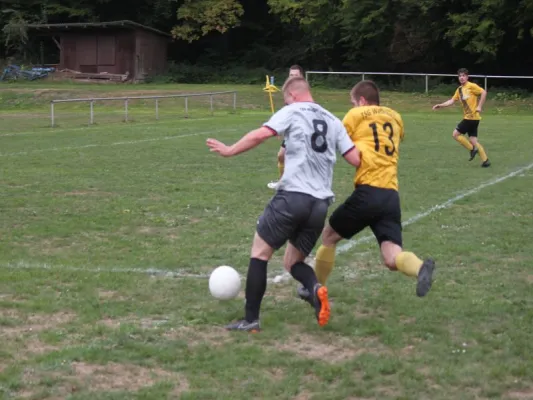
(283,143)
(468,126)
(296,217)
(370,206)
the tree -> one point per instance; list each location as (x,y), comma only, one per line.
(200,17)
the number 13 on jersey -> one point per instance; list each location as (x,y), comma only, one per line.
(382,131)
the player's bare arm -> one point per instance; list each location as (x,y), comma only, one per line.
(249,141)
(445,104)
(353,157)
(482,98)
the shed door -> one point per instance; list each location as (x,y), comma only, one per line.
(106,50)
(87,53)
(96,53)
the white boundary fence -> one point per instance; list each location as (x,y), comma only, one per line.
(126,99)
(427,76)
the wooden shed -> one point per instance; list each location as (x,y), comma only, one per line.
(116,47)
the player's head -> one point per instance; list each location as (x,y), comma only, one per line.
(295,71)
(365,93)
(295,90)
(462,75)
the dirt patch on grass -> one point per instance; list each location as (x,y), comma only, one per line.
(36,323)
(212,336)
(171,233)
(520,394)
(331,348)
(275,374)
(110,295)
(110,323)
(107,294)
(82,193)
(35,346)
(143,323)
(304,395)
(111,377)
(114,376)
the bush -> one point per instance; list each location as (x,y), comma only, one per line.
(189,73)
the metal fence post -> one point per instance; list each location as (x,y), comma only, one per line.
(486,83)
(52,116)
(126,110)
(186,107)
(157,109)
(363,76)
(235,100)
(427,84)
(92,112)
(211,103)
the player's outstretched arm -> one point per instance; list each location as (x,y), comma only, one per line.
(353,156)
(247,142)
(445,104)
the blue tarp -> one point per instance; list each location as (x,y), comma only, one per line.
(14,72)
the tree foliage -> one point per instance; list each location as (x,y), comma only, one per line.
(493,35)
(199,17)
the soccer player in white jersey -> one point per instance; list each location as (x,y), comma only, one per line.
(295,71)
(297,212)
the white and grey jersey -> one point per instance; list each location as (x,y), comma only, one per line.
(312,136)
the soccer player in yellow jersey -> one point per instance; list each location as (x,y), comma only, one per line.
(376,131)
(472,98)
(295,71)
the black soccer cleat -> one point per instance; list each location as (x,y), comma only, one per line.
(485,164)
(304,294)
(425,277)
(473,153)
(245,326)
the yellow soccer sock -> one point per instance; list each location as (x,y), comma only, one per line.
(482,152)
(281,169)
(408,263)
(325,258)
(464,142)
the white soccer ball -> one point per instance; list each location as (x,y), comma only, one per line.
(224,283)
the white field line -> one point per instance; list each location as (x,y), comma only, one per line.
(42,130)
(348,245)
(104,270)
(284,276)
(157,139)
(343,248)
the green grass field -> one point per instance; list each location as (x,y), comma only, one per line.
(108,231)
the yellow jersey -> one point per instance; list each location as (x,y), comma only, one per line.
(376,131)
(469,94)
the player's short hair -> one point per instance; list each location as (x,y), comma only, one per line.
(462,71)
(296,83)
(367,89)
(299,68)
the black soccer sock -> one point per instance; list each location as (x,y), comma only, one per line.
(305,275)
(256,282)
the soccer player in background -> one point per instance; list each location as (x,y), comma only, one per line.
(376,131)
(295,71)
(472,99)
(298,210)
